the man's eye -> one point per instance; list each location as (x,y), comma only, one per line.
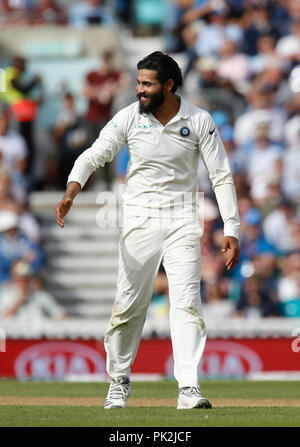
(145,84)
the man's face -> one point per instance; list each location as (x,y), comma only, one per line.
(149,91)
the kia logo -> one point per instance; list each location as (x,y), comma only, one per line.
(224,359)
(55,360)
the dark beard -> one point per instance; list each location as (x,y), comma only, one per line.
(155,102)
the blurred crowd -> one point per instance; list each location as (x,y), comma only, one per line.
(54,12)
(242,64)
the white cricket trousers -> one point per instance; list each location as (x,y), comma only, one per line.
(144,243)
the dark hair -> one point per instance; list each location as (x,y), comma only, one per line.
(68,95)
(165,66)
(18,61)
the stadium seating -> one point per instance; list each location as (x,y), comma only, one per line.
(82,258)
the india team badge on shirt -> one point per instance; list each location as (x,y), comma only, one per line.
(185,131)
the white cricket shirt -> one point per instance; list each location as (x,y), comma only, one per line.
(164,160)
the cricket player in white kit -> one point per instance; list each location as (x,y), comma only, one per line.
(165,136)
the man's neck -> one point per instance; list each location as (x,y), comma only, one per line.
(168,109)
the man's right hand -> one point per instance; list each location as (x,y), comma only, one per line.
(65,204)
(62,209)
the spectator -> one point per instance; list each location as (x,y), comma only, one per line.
(295,232)
(210,39)
(233,64)
(12,190)
(100,89)
(291,171)
(23,296)
(277,225)
(215,93)
(13,159)
(14,12)
(260,109)
(14,246)
(280,17)
(42,174)
(293,9)
(254,302)
(89,12)
(47,12)
(22,97)
(289,284)
(273,191)
(27,222)
(274,76)
(265,268)
(292,126)
(265,55)
(6,200)
(13,147)
(123,10)
(208,82)
(172,24)
(257,23)
(288,47)
(71,136)
(5,11)
(201,10)
(262,158)
(212,268)
(215,305)
(252,242)
(245,204)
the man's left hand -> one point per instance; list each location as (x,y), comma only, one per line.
(231,246)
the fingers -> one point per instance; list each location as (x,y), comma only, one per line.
(230,245)
(230,263)
(59,218)
(233,259)
(61,210)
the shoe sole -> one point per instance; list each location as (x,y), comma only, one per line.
(112,407)
(108,407)
(204,403)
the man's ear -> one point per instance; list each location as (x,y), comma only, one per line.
(169,85)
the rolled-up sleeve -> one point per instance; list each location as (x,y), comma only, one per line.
(111,138)
(216,162)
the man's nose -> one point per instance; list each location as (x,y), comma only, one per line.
(140,88)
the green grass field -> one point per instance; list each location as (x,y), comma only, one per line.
(236,404)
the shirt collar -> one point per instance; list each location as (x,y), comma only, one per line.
(183,109)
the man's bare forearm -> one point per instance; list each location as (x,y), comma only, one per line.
(73,188)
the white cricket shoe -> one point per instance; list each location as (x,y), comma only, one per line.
(190,397)
(117,394)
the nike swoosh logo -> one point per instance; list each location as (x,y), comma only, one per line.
(211,131)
